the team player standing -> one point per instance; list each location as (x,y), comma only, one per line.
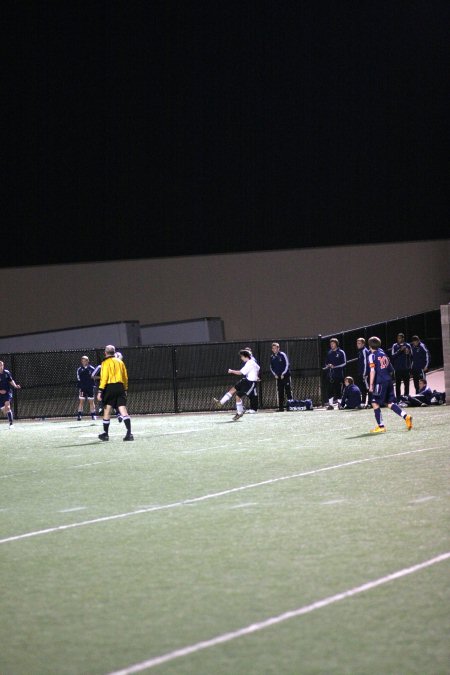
(6,384)
(381,386)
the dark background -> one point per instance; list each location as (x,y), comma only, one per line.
(163,128)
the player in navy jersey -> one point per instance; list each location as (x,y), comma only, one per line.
(6,383)
(279,367)
(401,360)
(335,364)
(363,371)
(420,361)
(85,387)
(351,396)
(382,387)
(423,396)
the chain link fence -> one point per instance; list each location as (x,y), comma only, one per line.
(185,378)
(162,379)
(426,325)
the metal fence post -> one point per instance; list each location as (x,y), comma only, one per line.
(16,391)
(174,379)
(319,365)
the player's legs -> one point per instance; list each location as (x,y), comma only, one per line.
(81,399)
(280,392)
(398,411)
(379,419)
(226,397)
(239,408)
(406,376)
(8,412)
(127,421)
(106,422)
(287,387)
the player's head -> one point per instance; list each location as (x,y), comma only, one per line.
(400,338)
(348,380)
(118,355)
(275,347)
(360,343)
(248,349)
(110,350)
(245,355)
(415,340)
(85,360)
(334,343)
(374,342)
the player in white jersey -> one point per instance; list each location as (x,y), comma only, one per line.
(244,387)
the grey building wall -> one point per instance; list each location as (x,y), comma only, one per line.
(125,334)
(257,295)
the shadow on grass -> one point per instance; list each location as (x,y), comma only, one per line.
(79,445)
(365,435)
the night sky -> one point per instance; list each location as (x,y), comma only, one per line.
(162,128)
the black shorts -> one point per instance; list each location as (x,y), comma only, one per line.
(244,387)
(86,392)
(114,395)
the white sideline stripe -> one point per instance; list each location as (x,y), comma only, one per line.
(274,620)
(214,495)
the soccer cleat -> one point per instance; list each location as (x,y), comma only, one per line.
(128,437)
(119,418)
(237,417)
(330,407)
(79,418)
(103,437)
(217,403)
(408,422)
(94,417)
(378,430)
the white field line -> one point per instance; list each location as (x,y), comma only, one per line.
(214,495)
(274,620)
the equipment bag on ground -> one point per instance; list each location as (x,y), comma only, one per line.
(299,404)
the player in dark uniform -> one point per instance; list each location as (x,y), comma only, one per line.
(382,387)
(351,396)
(279,367)
(6,383)
(85,387)
(335,364)
(362,379)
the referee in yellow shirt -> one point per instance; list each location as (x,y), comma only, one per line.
(112,391)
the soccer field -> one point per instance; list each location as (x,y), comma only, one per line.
(280,544)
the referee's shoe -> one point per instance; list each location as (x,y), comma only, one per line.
(128,437)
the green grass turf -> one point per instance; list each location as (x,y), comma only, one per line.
(103,596)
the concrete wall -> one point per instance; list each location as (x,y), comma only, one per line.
(258,295)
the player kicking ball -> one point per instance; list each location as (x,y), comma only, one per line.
(244,387)
(381,386)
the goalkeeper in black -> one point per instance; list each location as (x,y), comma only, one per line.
(112,392)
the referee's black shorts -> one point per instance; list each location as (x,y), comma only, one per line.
(115,395)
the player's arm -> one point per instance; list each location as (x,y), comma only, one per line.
(125,376)
(342,365)
(371,373)
(234,372)
(14,384)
